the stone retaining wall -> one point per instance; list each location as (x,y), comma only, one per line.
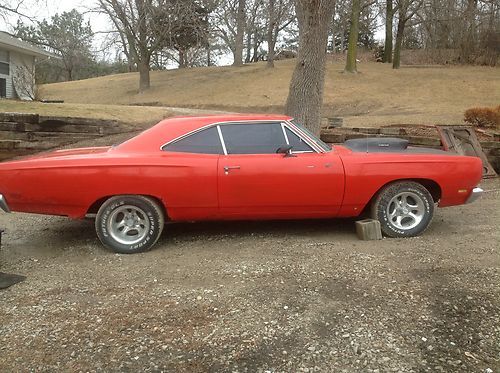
(22,134)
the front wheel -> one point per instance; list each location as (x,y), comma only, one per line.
(404,209)
(129,224)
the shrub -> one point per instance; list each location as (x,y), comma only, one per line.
(483,117)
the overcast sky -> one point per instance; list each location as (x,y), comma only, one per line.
(44,9)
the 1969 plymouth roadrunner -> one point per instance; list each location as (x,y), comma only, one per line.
(237,167)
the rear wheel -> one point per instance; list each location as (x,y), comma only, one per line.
(129,224)
(404,209)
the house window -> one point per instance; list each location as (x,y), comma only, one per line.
(4,62)
(4,68)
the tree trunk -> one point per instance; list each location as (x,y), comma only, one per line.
(209,55)
(389,17)
(468,42)
(305,96)
(396,62)
(143,56)
(256,44)
(342,40)
(248,55)
(240,33)
(352,47)
(271,42)
(182,59)
(144,82)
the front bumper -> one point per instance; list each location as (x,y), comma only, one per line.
(476,193)
(3,204)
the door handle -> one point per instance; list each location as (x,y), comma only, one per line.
(228,168)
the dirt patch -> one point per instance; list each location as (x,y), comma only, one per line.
(255,296)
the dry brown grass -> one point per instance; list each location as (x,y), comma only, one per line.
(126,114)
(483,117)
(377,95)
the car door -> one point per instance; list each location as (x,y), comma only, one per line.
(189,175)
(254,181)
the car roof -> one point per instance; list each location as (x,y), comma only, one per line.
(172,128)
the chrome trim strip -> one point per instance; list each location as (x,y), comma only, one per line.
(221,138)
(284,133)
(475,194)
(3,204)
(304,137)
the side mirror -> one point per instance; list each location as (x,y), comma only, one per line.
(286,150)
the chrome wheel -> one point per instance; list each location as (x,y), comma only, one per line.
(403,208)
(406,210)
(128,224)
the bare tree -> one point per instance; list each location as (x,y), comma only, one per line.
(357,9)
(352,48)
(14,7)
(254,29)
(305,96)
(389,18)
(132,19)
(225,24)
(240,33)
(340,24)
(406,10)
(279,17)
(24,81)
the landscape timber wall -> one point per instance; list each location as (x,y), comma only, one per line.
(338,135)
(23,134)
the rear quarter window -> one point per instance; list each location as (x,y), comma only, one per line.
(206,141)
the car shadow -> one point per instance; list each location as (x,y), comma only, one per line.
(245,229)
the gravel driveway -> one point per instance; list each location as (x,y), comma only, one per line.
(301,296)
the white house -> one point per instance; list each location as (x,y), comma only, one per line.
(17,67)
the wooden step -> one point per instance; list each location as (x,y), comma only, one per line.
(9,144)
(19,117)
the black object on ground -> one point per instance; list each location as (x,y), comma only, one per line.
(8,279)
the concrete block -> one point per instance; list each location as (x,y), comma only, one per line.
(335,122)
(368,229)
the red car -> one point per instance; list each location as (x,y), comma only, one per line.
(237,167)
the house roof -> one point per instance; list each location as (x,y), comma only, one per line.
(10,42)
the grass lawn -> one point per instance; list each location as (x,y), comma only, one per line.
(376,96)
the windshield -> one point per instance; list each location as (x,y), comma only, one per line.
(312,136)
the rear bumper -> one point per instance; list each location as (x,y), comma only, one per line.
(476,193)
(3,204)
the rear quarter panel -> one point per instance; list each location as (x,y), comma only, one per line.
(70,186)
(367,173)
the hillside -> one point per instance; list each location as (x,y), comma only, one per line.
(377,95)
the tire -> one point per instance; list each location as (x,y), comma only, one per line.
(129,224)
(404,209)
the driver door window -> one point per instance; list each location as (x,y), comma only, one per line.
(253,138)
